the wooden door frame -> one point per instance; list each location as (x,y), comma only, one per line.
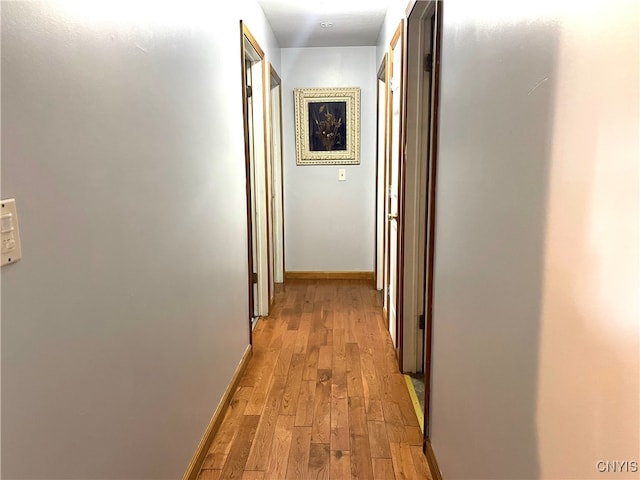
(399,35)
(431,214)
(416,153)
(273,75)
(436,32)
(268,174)
(382,76)
(246,34)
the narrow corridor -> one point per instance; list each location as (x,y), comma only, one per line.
(322,396)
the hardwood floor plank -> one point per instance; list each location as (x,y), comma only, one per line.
(304,411)
(259,397)
(326,337)
(354,373)
(259,455)
(298,464)
(209,474)
(319,461)
(393,420)
(350,325)
(284,357)
(311,361)
(253,475)
(329,314)
(292,386)
(378,440)
(302,339)
(403,399)
(374,410)
(321,425)
(414,436)
(279,455)
(322,396)
(402,461)
(361,466)
(357,417)
(339,418)
(339,319)
(237,458)
(420,462)
(339,357)
(253,371)
(325,359)
(386,385)
(221,445)
(340,465)
(383,469)
(293,318)
(309,295)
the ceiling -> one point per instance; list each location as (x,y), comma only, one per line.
(296,23)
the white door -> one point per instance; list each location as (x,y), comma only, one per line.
(277,210)
(393,192)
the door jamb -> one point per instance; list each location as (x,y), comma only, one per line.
(399,35)
(381,216)
(431,223)
(246,34)
(273,76)
(431,218)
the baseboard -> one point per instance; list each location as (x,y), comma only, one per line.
(433,463)
(298,275)
(214,425)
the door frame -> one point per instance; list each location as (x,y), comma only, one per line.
(252,164)
(428,10)
(275,82)
(398,36)
(381,178)
(431,217)
(420,83)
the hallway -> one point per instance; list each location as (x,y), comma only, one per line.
(322,396)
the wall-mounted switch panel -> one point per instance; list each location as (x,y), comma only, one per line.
(11,251)
(342,174)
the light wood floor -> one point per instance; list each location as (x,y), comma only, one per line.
(322,397)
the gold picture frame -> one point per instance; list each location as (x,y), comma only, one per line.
(327,126)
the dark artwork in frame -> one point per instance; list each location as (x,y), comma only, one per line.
(327,126)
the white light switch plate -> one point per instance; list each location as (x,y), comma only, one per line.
(342,174)
(11,251)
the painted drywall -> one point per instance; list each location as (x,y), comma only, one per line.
(535,341)
(122,143)
(329,225)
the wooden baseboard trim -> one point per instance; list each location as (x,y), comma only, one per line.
(329,276)
(433,463)
(216,420)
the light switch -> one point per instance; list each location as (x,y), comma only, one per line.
(7,222)
(11,251)
(342,174)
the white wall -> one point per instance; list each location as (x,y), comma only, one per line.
(535,358)
(122,142)
(395,14)
(329,225)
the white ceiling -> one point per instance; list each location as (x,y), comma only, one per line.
(296,23)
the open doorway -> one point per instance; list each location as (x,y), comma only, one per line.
(275,182)
(253,69)
(382,159)
(423,53)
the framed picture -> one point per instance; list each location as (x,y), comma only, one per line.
(327,126)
